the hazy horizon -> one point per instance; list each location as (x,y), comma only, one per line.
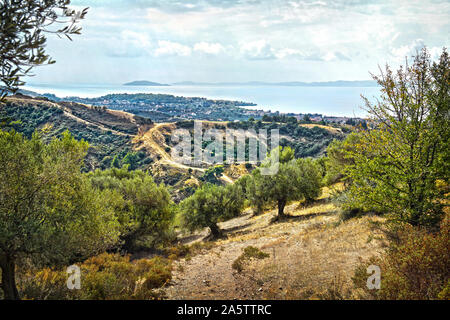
(119,83)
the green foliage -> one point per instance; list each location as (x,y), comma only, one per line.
(211,204)
(296,179)
(306,142)
(415,267)
(285,154)
(103,277)
(49,212)
(249,253)
(116,163)
(213,174)
(144,209)
(36,115)
(339,159)
(133,159)
(22,28)
(397,165)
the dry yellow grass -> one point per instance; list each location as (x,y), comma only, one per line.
(328,128)
(319,262)
(312,256)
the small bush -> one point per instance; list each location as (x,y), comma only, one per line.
(249,253)
(178,251)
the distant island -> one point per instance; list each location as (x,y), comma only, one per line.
(146,83)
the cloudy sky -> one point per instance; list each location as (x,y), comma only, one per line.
(243,40)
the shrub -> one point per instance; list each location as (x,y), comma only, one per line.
(144,208)
(249,253)
(103,277)
(415,267)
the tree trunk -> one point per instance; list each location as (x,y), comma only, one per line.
(257,210)
(281,205)
(9,278)
(215,231)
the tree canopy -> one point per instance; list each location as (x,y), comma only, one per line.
(399,164)
(144,209)
(296,179)
(49,213)
(23,29)
(211,204)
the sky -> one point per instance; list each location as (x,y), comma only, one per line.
(169,41)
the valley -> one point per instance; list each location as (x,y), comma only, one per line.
(118,137)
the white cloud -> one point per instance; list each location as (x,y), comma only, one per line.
(170,48)
(305,40)
(335,56)
(209,48)
(409,50)
(129,44)
(289,53)
(400,53)
(257,50)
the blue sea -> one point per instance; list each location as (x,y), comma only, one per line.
(330,101)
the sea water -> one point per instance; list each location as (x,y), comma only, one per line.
(330,101)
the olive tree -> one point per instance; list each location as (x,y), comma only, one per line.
(144,208)
(211,204)
(296,179)
(49,213)
(23,29)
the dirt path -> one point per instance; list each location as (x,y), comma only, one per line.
(226,178)
(154,141)
(74,117)
(308,252)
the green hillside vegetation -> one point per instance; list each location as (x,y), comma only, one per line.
(384,187)
(108,134)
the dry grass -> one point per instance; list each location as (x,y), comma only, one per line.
(322,258)
(312,256)
(328,128)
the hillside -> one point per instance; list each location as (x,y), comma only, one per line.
(145,145)
(312,255)
(109,132)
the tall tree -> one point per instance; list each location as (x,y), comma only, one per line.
(23,28)
(49,212)
(399,165)
(211,204)
(295,180)
(144,209)
(339,158)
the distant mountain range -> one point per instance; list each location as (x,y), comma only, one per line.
(146,83)
(339,83)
